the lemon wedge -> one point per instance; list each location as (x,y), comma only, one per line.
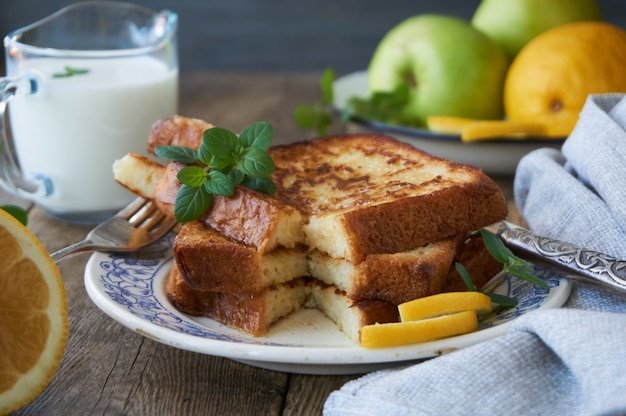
(447,124)
(498,129)
(403,333)
(444,304)
(472,130)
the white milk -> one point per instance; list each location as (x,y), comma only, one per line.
(73,128)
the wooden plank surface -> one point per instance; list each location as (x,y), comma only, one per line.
(108,369)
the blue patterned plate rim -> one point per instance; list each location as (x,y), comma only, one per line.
(130,289)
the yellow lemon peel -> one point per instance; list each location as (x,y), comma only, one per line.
(444,304)
(412,332)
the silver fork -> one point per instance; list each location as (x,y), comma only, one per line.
(139,224)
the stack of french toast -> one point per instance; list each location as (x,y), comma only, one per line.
(358,224)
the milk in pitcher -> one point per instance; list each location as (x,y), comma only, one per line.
(58,119)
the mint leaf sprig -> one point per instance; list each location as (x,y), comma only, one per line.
(512,265)
(318,116)
(70,72)
(384,106)
(17,212)
(223,161)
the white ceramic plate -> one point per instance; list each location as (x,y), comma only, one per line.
(494,157)
(129,288)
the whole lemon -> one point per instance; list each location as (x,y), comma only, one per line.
(549,80)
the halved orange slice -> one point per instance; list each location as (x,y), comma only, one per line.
(33,316)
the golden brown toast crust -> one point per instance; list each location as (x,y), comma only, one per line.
(391,277)
(249,312)
(167,188)
(386,195)
(211,262)
(177,131)
(254,219)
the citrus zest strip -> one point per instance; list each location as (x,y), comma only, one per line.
(499,129)
(447,124)
(402,333)
(444,304)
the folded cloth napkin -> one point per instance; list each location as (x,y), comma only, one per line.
(568,361)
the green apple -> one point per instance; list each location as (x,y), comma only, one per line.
(452,69)
(512,23)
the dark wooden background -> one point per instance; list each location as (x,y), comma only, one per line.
(284,35)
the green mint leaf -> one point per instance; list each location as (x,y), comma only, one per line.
(192,176)
(502,300)
(465,276)
(236,176)
(523,274)
(191,203)
(517,263)
(384,106)
(512,263)
(18,213)
(220,143)
(257,135)
(318,116)
(177,154)
(255,162)
(69,71)
(265,185)
(496,247)
(209,159)
(324,122)
(326,86)
(219,184)
(222,162)
(313,117)
(204,155)
(306,116)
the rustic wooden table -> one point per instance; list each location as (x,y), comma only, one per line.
(109,369)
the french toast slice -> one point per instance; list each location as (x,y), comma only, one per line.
(359,195)
(391,277)
(177,131)
(360,204)
(349,315)
(138,174)
(371,194)
(211,262)
(219,273)
(252,313)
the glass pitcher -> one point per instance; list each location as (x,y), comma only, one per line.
(83,88)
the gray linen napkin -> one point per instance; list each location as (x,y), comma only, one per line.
(569,361)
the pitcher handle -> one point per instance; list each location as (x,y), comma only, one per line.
(11,176)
